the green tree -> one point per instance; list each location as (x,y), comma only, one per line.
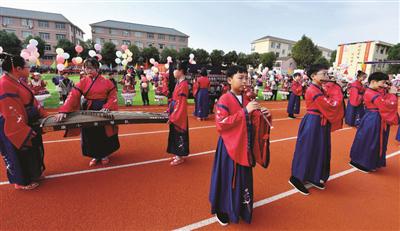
(268,59)
(150,52)
(304,52)
(253,59)
(322,60)
(333,57)
(202,57)
(67,46)
(108,53)
(40,46)
(230,58)
(168,52)
(217,57)
(242,59)
(184,53)
(10,43)
(136,53)
(394,54)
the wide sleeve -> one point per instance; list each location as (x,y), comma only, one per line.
(355,98)
(72,103)
(330,104)
(112,98)
(388,106)
(179,115)
(297,89)
(16,126)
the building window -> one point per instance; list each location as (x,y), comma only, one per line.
(161,36)
(289,47)
(278,46)
(126,42)
(277,54)
(60,25)
(47,57)
(172,38)
(113,32)
(150,35)
(60,36)
(27,22)
(98,30)
(273,45)
(7,21)
(44,36)
(115,41)
(138,34)
(382,51)
(125,33)
(26,34)
(43,24)
(172,46)
(182,39)
(139,44)
(10,31)
(283,52)
(150,44)
(47,47)
(161,45)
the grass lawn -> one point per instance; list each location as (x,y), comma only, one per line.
(53,100)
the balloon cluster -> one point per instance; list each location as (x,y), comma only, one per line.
(60,58)
(124,56)
(78,60)
(191,59)
(31,52)
(155,64)
(95,52)
(169,60)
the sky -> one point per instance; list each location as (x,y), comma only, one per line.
(233,24)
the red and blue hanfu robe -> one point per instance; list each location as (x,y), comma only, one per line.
(202,97)
(241,135)
(22,152)
(325,112)
(178,138)
(98,93)
(370,143)
(294,98)
(355,106)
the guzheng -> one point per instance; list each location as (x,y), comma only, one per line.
(89,118)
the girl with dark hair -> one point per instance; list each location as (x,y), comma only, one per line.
(368,151)
(294,98)
(99,94)
(202,97)
(21,142)
(178,138)
(311,160)
(355,105)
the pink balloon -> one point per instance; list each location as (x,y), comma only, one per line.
(74,61)
(156,64)
(78,49)
(99,57)
(30,48)
(124,47)
(60,59)
(97,47)
(25,55)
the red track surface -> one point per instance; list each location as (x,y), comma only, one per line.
(155,196)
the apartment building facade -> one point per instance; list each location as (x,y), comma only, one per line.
(51,27)
(281,47)
(125,33)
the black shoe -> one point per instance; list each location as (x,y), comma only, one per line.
(317,185)
(292,116)
(359,167)
(297,184)
(222,219)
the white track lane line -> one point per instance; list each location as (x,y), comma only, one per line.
(142,163)
(271,199)
(148,133)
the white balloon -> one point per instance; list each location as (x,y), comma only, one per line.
(60,67)
(66,56)
(97,47)
(118,54)
(92,53)
(129,59)
(166,66)
(193,62)
(1,50)
(191,56)
(169,59)
(117,60)
(124,56)
(152,61)
(33,42)
(59,51)
(78,60)
(124,62)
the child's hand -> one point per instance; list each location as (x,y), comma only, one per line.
(265,111)
(253,105)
